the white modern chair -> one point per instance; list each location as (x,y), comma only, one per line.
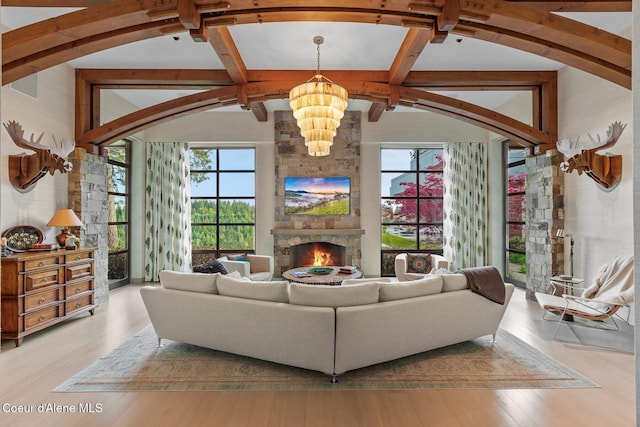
(610,290)
(255,267)
(403,269)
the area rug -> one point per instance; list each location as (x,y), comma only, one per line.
(137,365)
(587,334)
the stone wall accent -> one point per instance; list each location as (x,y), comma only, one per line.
(87,196)
(292,160)
(545,214)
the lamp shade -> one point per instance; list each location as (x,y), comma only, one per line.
(65,218)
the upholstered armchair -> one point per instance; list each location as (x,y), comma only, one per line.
(415,266)
(255,267)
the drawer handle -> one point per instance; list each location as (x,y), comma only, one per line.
(41,300)
(78,305)
(41,318)
(78,290)
(77,257)
(41,264)
(43,280)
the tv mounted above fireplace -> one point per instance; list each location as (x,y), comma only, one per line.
(317,196)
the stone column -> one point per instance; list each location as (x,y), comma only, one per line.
(545,214)
(292,161)
(87,196)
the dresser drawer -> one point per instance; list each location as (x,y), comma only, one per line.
(78,303)
(40,299)
(78,270)
(40,263)
(78,288)
(77,256)
(39,317)
(41,279)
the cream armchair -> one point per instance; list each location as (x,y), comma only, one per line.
(405,273)
(256,267)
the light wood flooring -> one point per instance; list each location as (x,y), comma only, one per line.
(46,359)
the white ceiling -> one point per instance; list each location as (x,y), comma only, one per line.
(347,46)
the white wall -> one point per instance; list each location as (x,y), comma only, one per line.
(600,222)
(52,113)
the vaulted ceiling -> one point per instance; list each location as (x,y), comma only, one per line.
(387,53)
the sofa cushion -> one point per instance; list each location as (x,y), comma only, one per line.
(249,289)
(418,263)
(211,266)
(191,282)
(415,288)
(333,296)
(454,282)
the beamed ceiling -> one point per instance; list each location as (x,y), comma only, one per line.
(527,27)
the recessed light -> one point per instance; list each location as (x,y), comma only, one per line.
(176,38)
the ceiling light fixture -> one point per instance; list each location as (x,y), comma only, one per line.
(318,106)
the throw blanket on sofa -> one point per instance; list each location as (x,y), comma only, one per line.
(486,281)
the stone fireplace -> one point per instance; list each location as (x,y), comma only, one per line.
(292,160)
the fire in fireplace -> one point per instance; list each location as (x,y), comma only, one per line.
(317,254)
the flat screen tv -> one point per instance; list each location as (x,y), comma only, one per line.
(317,196)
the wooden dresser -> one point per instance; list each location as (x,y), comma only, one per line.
(40,289)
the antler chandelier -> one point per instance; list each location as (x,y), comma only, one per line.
(318,106)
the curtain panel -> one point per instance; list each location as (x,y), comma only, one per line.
(465,204)
(167,209)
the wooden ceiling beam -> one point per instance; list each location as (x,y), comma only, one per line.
(410,49)
(134,122)
(578,5)
(153,76)
(222,42)
(54,41)
(31,64)
(525,135)
(188,15)
(548,5)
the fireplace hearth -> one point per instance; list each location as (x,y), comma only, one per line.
(317,254)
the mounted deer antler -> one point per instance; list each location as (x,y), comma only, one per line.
(605,169)
(25,170)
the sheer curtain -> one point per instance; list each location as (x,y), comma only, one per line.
(465,204)
(167,210)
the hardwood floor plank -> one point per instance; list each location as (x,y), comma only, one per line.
(28,375)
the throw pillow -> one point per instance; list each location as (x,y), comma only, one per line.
(333,296)
(415,288)
(258,290)
(418,263)
(191,282)
(211,266)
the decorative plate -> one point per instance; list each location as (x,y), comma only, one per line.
(20,238)
(321,270)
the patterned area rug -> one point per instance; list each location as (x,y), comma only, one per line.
(137,365)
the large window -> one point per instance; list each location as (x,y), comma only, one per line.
(411,203)
(222,202)
(516,179)
(118,213)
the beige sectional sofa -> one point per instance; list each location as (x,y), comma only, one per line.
(331,329)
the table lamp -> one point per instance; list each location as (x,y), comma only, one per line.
(64,218)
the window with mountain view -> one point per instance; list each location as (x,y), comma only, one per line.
(118,166)
(222,202)
(411,203)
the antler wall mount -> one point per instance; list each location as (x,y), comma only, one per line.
(26,169)
(605,169)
